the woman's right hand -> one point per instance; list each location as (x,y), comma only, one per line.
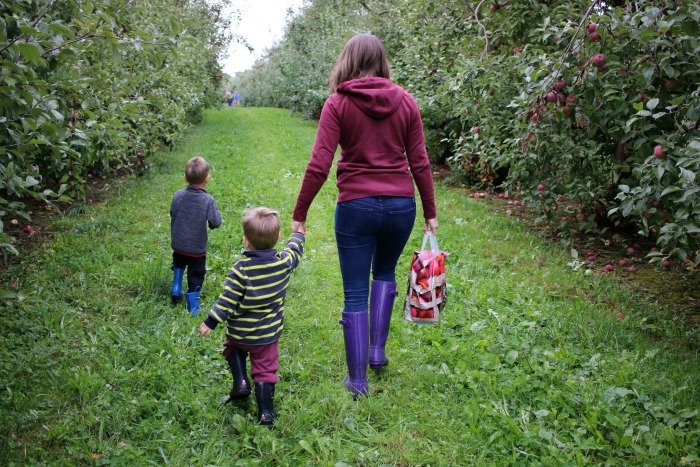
(299,227)
(431,226)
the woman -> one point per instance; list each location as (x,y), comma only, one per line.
(380,132)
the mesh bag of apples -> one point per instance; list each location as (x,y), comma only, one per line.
(427,284)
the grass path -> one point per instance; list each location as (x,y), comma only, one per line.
(529,365)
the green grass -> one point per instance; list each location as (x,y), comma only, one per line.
(529,364)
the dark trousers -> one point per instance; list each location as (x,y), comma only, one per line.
(371,233)
(196,269)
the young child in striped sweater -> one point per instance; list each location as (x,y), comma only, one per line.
(252,305)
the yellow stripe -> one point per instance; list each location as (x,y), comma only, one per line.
(270,295)
(237,273)
(215,316)
(265,276)
(234,281)
(232,302)
(267,326)
(249,307)
(236,336)
(255,320)
(258,287)
(262,266)
(222,307)
(226,287)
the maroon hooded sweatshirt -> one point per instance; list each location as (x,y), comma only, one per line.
(378,126)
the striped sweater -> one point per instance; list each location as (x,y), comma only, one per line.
(252,302)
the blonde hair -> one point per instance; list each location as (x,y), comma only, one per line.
(261,226)
(196,170)
(363,55)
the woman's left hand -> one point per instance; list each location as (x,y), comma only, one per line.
(431,226)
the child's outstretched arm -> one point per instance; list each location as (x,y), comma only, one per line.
(213,214)
(294,249)
(228,301)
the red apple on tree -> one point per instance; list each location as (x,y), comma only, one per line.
(598,60)
(591,28)
(641,97)
(494,7)
(560,85)
(659,152)
(595,37)
(551,96)
(571,100)
(540,187)
(567,110)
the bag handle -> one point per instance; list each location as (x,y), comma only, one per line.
(433,242)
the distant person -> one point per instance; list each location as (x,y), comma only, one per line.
(380,132)
(192,209)
(237,98)
(252,306)
(228,96)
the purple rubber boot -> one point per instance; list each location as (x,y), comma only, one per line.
(356,344)
(381,303)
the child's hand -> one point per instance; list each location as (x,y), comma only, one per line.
(204,330)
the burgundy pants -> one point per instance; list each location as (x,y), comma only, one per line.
(264,359)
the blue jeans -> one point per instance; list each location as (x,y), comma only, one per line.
(371,233)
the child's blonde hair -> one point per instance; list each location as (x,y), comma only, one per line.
(261,226)
(196,170)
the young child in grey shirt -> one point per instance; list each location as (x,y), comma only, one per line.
(192,209)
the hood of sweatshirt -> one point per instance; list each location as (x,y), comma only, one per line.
(377,97)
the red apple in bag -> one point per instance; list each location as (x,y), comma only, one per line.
(435,269)
(417,265)
(414,312)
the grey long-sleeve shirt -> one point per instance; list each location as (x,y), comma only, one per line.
(191,210)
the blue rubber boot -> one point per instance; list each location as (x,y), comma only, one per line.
(193,305)
(176,289)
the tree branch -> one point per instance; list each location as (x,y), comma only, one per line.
(475,12)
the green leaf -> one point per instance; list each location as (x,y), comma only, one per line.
(31,52)
(660,170)
(30,181)
(688,193)
(687,175)
(670,189)
(62,29)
